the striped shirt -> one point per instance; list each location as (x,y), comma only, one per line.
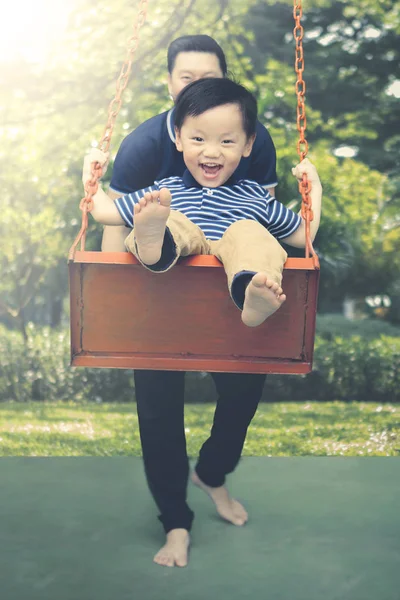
(215,209)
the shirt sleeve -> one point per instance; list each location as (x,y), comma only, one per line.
(263,158)
(126,203)
(281,221)
(136,163)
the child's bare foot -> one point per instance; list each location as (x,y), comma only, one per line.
(262,298)
(150,217)
(228,508)
(175,551)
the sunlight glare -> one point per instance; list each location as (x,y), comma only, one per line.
(30,28)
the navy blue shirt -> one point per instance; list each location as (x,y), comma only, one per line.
(149,154)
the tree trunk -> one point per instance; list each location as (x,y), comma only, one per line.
(22,326)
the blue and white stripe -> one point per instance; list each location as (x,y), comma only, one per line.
(215,209)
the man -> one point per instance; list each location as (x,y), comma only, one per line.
(148,154)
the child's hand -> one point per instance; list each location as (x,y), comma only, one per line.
(306,167)
(95,155)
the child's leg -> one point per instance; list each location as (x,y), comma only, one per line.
(160,235)
(253,261)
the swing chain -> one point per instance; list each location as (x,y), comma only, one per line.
(298,33)
(302,144)
(91,186)
(123,78)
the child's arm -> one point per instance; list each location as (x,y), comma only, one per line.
(298,238)
(104,209)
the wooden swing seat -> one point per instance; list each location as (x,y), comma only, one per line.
(124,316)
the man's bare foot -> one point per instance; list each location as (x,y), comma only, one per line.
(175,551)
(228,508)
(150,217)
(262,298)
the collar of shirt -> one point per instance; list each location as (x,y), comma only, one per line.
(189,181)
(171,125)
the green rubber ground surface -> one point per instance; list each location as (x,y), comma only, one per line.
(86,528)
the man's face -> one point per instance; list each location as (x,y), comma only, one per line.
(213,144)
(190,66)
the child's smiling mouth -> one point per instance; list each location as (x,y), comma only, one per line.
(210,170)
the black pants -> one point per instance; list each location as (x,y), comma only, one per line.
(160,406)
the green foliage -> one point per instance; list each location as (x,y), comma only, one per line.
(53,111)
(356,368)
(345,368)
(349,369)
(330,326)
(40,370)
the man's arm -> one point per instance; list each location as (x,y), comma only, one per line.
(298,238)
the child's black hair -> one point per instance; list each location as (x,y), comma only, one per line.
(195,43)
(204,94)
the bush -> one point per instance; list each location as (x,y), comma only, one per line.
(331,325)
(348,369)
(353,368)
(40,370)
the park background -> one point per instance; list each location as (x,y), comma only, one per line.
(58,66)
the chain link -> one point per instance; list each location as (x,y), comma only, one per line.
(298,33)
(91,186)
(302,144)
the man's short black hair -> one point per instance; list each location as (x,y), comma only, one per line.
(195,43)
(210,92)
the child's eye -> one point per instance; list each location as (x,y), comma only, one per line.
(186,78)
(228,142)
(197,139)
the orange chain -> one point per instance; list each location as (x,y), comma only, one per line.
(302,144)
(91,186)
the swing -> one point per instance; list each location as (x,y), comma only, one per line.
(124,316)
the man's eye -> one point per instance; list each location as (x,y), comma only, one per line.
(186,78)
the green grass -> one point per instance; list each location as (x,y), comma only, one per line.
(285,429)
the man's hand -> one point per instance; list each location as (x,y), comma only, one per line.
(306,167)
(94,155)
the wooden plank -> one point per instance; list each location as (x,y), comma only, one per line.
(131,310)
(209,364)
(75,288)
(124,316)
(311,314)
(125,258)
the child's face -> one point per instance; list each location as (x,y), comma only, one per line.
(213,144)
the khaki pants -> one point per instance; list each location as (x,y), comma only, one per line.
(245,249)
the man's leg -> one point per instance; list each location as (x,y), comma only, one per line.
(238,397)
(160,407)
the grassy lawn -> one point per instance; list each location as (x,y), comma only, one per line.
(285,429)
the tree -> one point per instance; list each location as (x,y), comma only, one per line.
(54,111)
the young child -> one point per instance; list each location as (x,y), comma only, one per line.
(207,211)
